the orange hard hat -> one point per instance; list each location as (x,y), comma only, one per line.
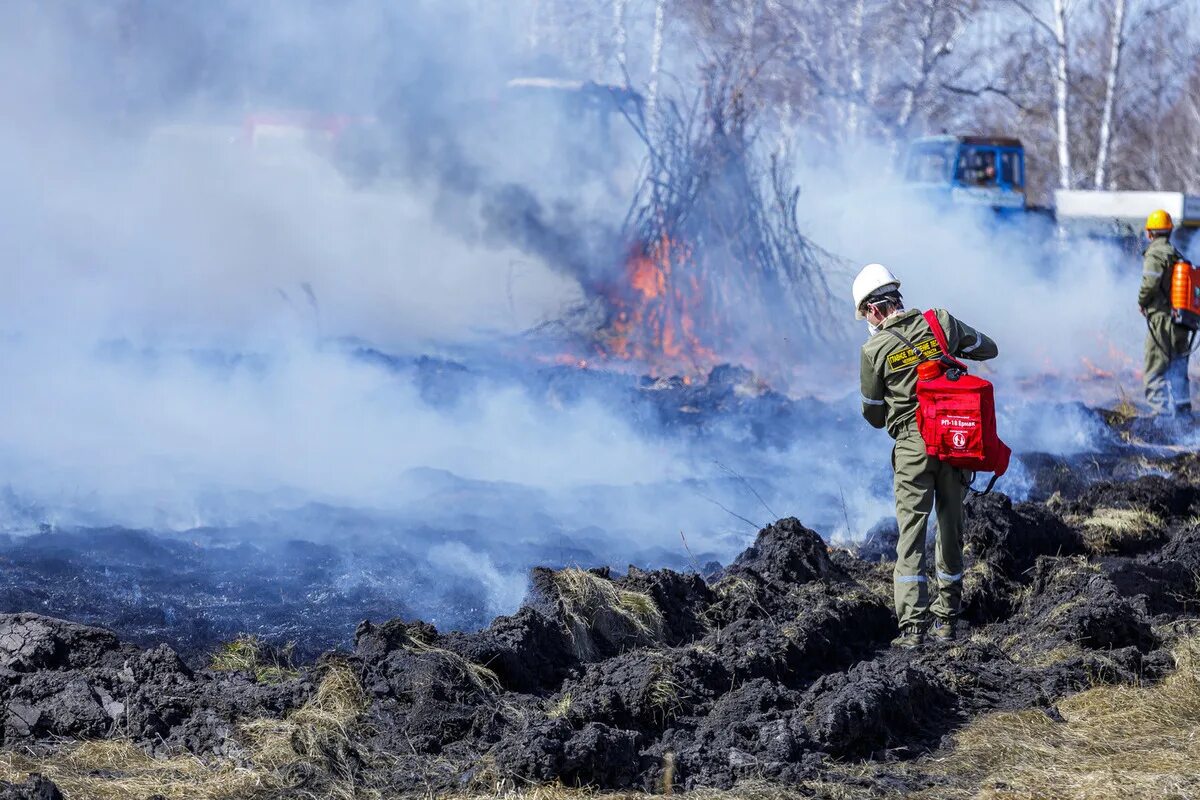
(1159,220)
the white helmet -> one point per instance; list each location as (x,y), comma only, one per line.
(869,281)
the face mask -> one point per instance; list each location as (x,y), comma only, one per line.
(872,329)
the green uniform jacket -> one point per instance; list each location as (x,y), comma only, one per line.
(1158,262)
(889,367)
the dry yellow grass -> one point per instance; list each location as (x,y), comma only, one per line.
(663,691)
(482,678)
(1115,742)
(314,734)
(737,588)
(1125,410)
(562,708)
(116,770)
(585,595)
(1106,529)
(249,654)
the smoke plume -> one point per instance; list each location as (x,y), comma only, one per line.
(202,330)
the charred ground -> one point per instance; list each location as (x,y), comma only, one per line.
(776,667)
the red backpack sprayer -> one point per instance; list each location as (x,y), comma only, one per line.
(956,412)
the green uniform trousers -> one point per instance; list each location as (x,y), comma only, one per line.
(923,483)
(1166,374)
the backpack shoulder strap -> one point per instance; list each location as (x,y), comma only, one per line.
(940,335)
(903,339)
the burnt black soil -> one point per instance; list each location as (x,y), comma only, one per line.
(775,667)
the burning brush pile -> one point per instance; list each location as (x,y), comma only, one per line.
(771,675)
(712,267)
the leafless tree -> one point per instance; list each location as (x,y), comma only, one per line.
(1088,85)
(1110,92)
(1054,23)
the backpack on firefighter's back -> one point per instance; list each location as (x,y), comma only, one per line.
(956,413)
(1185,295)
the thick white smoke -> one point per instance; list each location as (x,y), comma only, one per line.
(1054,305)
(180,306)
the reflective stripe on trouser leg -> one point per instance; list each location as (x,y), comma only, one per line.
(950,493)
(914,486)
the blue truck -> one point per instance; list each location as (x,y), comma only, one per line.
(984,171)
(988,173)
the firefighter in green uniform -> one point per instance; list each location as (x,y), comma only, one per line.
(1166,375)
(922,483)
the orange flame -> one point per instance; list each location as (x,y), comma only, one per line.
(658,311)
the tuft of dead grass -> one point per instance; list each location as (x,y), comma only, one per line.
(315,735)
(663,691)
(586,595)
(737,591)
(1125,410)
(250,654)
(737,588)
(483,679)
(1107,529)
(562,708)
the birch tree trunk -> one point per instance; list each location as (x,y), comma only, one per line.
(1062,94)
(621,41)
(656,48)
(856,69)
(1110,91)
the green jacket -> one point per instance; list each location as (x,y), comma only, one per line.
(889,367)
(1158,262)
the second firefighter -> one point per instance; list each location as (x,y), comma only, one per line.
(1166,373)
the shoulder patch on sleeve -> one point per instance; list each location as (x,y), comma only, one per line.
(906,357)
